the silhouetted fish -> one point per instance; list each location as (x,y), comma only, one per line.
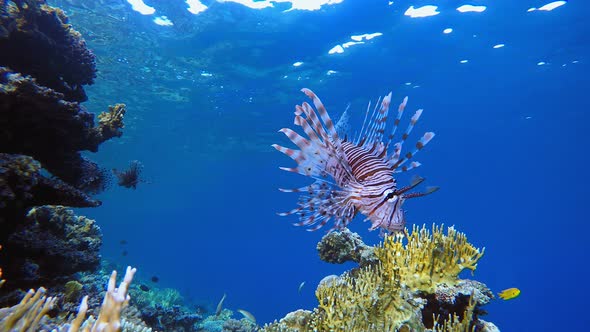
(220,305)
(155,279)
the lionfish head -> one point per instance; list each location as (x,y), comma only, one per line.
(385,211)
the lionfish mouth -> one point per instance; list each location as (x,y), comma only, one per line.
(389,214)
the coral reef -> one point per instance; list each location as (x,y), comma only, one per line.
(295,321)
(163,310)
(30,314)
(23,186)
(429,257)
(33,33)
(224,323)
(413,286)
(173,318)
(343,246)
(44,64)
(38,122)
(110,123)
(49,246)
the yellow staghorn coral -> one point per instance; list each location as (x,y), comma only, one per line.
(26,315)
(371,300)
(428,258)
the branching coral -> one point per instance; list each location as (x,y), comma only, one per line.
(428,258)
(29,313)
(109,318)
(26,315)
(110,123)
(371,300)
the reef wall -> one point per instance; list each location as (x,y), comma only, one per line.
(44,66)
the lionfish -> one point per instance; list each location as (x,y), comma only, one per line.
(130,177)
(351,176)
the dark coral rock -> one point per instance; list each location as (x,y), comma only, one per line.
(34,33)
(36,121)
(343,246)
(22,186)
(91,178)
(172,318)
(448,300)
(49,247)
(43,65)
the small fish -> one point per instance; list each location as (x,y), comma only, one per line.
(509,293)
(247,315)
(220,305)
(155,279)
(144,288)
(352,175)
(300,287)
(124,253)
(123,242)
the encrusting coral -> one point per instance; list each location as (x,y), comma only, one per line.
(344,245)
(34,33)
(413,286)
(49,246)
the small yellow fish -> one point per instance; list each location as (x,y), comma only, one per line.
(247,315)
(509,293)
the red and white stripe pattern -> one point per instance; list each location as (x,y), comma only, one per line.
(351,176)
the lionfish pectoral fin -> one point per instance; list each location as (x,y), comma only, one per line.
(321,202)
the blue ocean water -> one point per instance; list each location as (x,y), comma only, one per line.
(207,95)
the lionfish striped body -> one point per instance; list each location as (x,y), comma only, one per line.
(351,176)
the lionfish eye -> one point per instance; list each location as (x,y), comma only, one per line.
(390,195)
